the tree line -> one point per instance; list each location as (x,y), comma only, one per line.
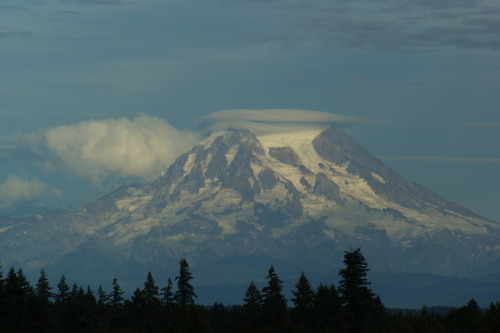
(352,306)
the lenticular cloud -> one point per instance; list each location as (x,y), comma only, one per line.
(271,120)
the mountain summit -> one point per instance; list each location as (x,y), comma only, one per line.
(242,201)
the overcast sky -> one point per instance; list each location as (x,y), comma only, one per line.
(97,93)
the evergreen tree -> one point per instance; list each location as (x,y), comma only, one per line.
(303,301)
(43,288)
(252,308)
(42,311)
(428,322)
(252,299)
(90,295)
(76,291)
(62,295)
(116,297)
(2,281)
(186,316)
(93,317)
(327,314)
(63,305)
(17,288)
(358,299)
(274,303)
(168,294)
(80,311)
(17,298)
(273,298)
(102,296)
(24,284)
(221,318)
(303,293)
(137,298)
(115,318)
(134,314)
(464,319)
(354,286)
(145,309)
(492,318)
(2,293)
(185,294)
(150,291)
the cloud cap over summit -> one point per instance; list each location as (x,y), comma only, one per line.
(272,120)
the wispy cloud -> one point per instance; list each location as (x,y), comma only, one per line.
(16,189)
(12,7)
(21,146)
(94,2)
(461,160)
(406,24)
(24,33)
(480,126)
(68,12)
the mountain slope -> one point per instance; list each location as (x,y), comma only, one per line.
(298,198)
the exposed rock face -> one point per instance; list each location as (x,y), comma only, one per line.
(285,155)
(326,187)
(300,199)
(268,179)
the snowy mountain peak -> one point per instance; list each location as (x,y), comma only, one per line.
(300,197)
(310,174)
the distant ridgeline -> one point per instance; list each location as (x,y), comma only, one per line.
(350,307)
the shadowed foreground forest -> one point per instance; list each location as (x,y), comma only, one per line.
(349,307)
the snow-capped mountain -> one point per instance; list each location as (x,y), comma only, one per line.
(244,201)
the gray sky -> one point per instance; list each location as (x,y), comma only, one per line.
(95,93)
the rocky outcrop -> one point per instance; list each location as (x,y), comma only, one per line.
(285,155)
(326,187)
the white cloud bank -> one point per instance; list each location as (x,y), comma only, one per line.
(16,189)
(141,147)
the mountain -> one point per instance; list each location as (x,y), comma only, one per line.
(238,202)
